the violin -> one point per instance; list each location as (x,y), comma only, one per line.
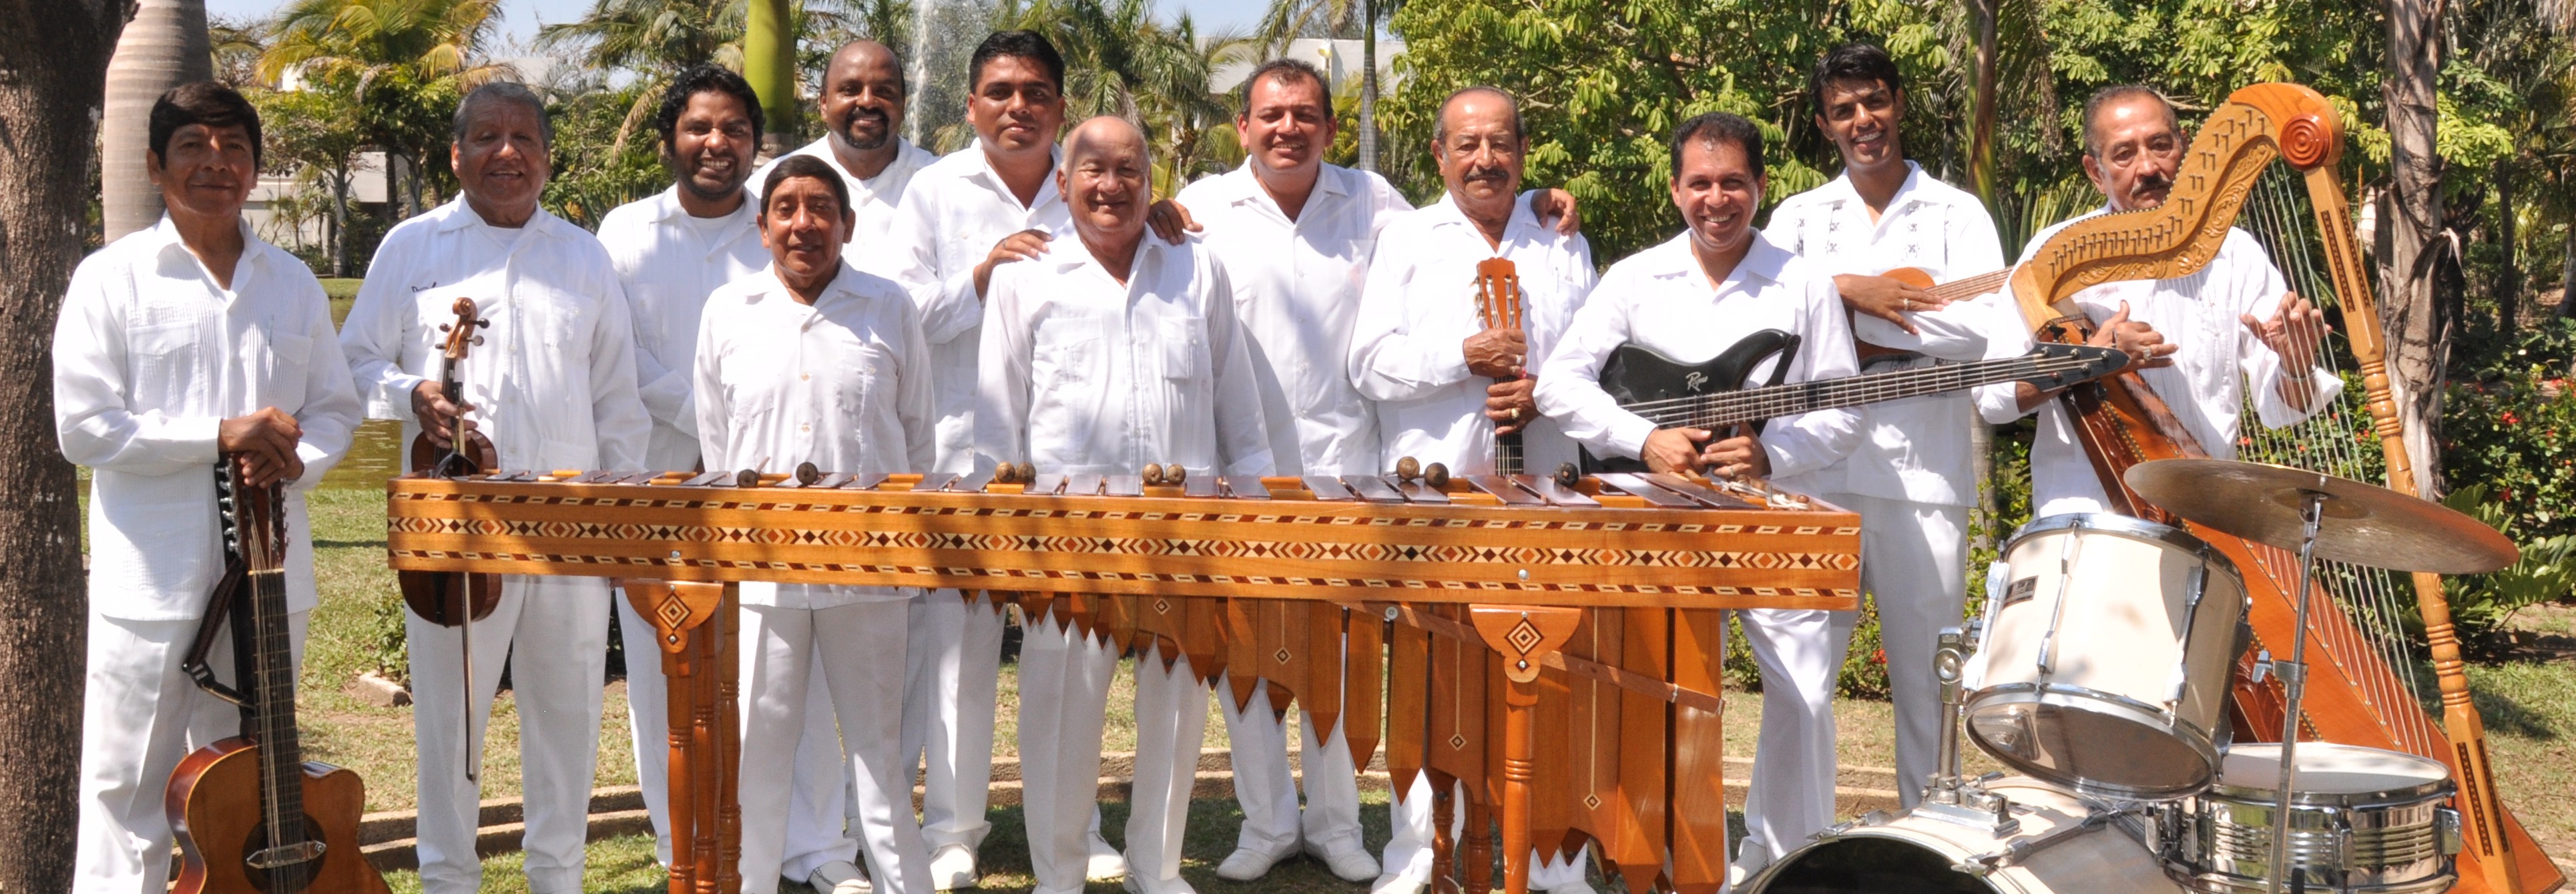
(438,596)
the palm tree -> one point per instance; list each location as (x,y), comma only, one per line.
(405,63)
(1340,19)
(1120,61)
(165,46)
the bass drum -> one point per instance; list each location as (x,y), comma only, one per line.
(1920,854)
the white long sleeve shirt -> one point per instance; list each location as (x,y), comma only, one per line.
(2215,359)
(872,200)
(150,357)
(1659,298)
(553,383)
(948,221)
(1914,449)
(841,383)
(1417,311)
(1297,290)
(1083,375)
(669,263)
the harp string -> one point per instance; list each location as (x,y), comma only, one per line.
(2338,440)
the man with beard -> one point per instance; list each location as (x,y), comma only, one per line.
(813,360)
(554,387)
(2198,339)
(862,106)
(1112,352)
(1909,475)
(1446,385)
(671,250)
(1691,298)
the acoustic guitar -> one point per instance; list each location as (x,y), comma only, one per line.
(251,815)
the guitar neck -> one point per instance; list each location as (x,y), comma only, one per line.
(1726,408)
(256,520)
(1507,454)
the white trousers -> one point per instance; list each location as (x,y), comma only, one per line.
(139,717)
(817,814)
(1792,794)
(861,651)
(1914,560)
(952,682)
(1267,791)
(556,680)
(1064,697)
(1171,719)
(1408,850)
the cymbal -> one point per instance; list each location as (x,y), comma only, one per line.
(2361,523)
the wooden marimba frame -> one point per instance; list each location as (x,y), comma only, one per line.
(1557,648)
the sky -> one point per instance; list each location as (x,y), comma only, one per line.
(523,16)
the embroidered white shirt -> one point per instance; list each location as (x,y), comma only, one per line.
(1083,375)
(150,356)
(1659,298)
(954,212)
(1914,449)
(842,383)
(1297,290)
(669,263)
(1416,313)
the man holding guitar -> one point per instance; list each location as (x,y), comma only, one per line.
(1909,475)
(179,345)
(1440,346)
(1694,297)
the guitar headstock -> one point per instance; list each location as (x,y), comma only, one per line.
(1498,293)
(2061,365)
(464,333)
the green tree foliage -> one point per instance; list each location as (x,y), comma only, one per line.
(403,63)
(312,136)
(1120,60)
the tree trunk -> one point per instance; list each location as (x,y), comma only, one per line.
(1368,85)
(164,47)
(1981,136)
(2509,284)
(2411,314)
(769,63)
(340,222)
(49,89)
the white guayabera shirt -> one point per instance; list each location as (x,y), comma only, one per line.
(873,200)
(1083,375)
(1659,298)
(150,357)
(948,221)
(1417,311)
(841,383)
(553,383)
(669,262)
(2214,360)
(1297,289)
(1914,449)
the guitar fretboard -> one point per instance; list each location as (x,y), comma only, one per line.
(1727,408)
(257,522)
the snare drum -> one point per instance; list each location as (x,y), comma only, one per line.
(2106,656)
(2051,852)
(2362,821)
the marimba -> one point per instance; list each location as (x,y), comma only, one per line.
(1556,646)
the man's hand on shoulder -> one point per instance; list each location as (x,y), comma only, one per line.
(1170,221)
(1559,204)
(1025,245)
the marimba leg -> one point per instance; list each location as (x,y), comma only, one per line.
(698,660)
(1444,846)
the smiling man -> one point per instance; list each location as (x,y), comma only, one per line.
(863,106)
(813,360)
(2203,340)
(179,347)
(1112,352)
(1690,299)
(553,385)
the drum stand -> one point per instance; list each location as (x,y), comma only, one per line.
(1948,796)
(2294,678)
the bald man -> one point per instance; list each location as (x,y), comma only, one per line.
(862,109)
(1109,352)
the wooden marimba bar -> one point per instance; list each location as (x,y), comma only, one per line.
(1556,648)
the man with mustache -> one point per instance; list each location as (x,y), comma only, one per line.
(1909,476)
(813,360)
(1444,383)
(1692,298)
(671,250)
(863,107)
(1112,352)
(2201,341)
(179,347)
(553,385)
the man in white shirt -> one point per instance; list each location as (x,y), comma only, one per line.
(1111,352)
(2200,341)
(1692,298)
(813,360)
(180,347)
(672,249)
(1446,385)
(1910,476)
(862,109)
(553,386)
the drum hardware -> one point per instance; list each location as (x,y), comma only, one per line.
(1947,796)
(2020,849)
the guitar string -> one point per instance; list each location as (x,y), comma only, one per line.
(1772,401)
(2038,361)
